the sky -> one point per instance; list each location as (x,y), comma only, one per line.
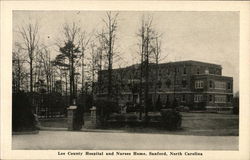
(200,35)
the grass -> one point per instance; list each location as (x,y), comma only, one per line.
(201,124)
(211,124)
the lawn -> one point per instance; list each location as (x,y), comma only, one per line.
(210,124)
(204,124)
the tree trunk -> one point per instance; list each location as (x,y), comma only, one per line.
(31,75)
(146,78)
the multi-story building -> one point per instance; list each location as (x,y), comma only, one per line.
(191,83)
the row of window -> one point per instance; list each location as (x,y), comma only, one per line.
(216,85)
(217,98)
(200,98)
(198,71)
(176,70)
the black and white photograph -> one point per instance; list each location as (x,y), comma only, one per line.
(119,82)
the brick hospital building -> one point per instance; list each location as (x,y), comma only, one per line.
(191,83)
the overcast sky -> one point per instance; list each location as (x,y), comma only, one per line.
(203,36)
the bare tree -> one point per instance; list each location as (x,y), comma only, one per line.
(147,35)
(156,56)
(30,39)
(84,41)
(93,65)
(109,37)
(18,69)
(47,67)
(101,50)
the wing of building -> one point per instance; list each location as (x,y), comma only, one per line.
(192,83)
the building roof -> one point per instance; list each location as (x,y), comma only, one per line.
(188,62)
(191,62)
(212,75)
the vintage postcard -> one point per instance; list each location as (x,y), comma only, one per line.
(125,80)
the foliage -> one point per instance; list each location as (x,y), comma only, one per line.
(183,109)
(131,107)
(167,105)
(175,104)
(105,108)
(201,106)
(120,117)
(150,105)
(131,118)
(186,109)
(171,119)
(158,104)
(22,116)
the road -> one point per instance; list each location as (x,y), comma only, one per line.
(68,140)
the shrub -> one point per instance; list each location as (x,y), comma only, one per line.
(119,117)
(183,109)
(170,119)
(158,104)
(116,120)
(105,108)
(186,109)
(155,118)
(150,105)
(201,106)
(167,105)
(131,117)
(175,104)
(131,107)
(22,117)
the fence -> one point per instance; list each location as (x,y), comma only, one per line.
(51,105)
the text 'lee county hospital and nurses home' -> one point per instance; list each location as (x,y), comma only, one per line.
(191,83)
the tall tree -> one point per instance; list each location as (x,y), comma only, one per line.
(84,41)
(146,34)
(156,57)
(18,69)
(30,38)
(70,53)
(100,49)
(93,65)
(109,36)
(47,67)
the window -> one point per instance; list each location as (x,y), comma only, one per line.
(228,85)
(168,72)
(167,98)
(183,98)
(220,85)
(159,84)
(198,98)
(198,70)
(184,70)
(168,83)
(210,84)
(123,86)
(206,71)
(229,99)
(178,69)
(177,82)
(160,74)
(217,71)
(220,99)
(210,98)
(184,83)
(198,84)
